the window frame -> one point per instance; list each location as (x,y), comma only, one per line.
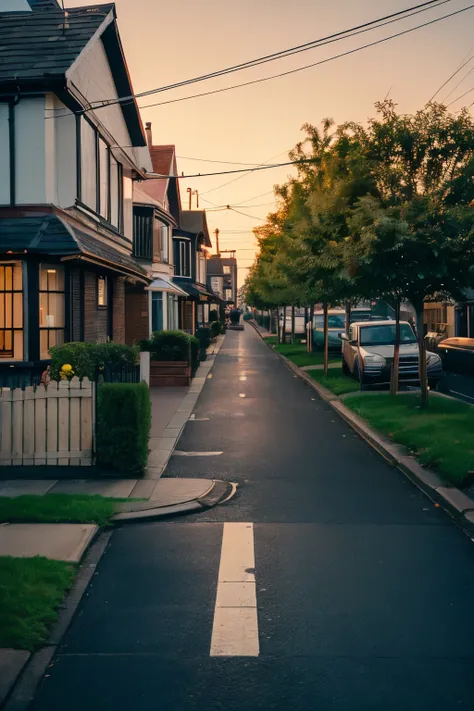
(4,354)
(185,251)
(105,281)
(49,329)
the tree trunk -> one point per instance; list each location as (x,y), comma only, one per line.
(293,335)
(420,327)
(326,338)
(270,319)
(283,328)
(396,351)
(347,318)
(278,325)
(309,331)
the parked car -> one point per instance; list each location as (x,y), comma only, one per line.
(367,354)
(457,355)
(336,324)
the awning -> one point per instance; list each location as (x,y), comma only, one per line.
(193,289)
(162,284)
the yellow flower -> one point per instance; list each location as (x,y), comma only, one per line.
(67,368)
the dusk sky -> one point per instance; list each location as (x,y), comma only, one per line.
(166,42)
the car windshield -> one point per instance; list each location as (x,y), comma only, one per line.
(384,335)
(334,321)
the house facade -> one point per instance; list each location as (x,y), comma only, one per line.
(156,212)
(191,241)
(223,274)
(66,181)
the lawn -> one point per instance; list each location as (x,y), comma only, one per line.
(335,381)
(31,590)
(442,437)
(58,508)
(296,352)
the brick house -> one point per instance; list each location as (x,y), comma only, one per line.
(66,180)
(156,212)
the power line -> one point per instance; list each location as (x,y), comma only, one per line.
(460,97)
(270,192)
(313,44)
(260,219)
(459,82)
(314,64)
(223,185)
(449,78)
(153,176)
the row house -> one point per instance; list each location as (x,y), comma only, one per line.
(67,168)
(223,275)
(172,245)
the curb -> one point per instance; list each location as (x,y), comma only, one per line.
(23,689)
(146,512)
(457,504)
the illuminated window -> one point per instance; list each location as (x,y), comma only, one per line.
(226,269)
(52,311)
(101,291)
(11,311)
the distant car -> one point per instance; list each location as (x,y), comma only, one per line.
(457,355)
(336,324)
(367,354)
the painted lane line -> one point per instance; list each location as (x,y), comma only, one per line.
(235,627)
(178,453)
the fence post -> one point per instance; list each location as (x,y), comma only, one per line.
(145,367)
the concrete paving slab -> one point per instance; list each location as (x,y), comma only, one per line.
(168,492)
(59,541)
(116,488)
(179,420)
(143,489)
(158,458)
(12,662)
(23,487)
(166,444)
(455,499)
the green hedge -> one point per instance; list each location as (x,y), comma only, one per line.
(123,427)
(213,315)
(195,348)
(216,328)
(86,359)
(168,345)
(203,335)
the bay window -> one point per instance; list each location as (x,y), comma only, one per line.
(172,312)
(88,188)
(103,208)
(11,311)
(157,311)
(183,268)
(51,307)
(164,243)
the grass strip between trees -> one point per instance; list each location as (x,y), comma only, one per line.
(441,436)
(335,381)
(31,591)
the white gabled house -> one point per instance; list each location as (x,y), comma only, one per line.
(67,169)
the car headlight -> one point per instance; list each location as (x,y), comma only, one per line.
(375,359)
(432,358)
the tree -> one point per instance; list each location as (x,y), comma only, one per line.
(416,232)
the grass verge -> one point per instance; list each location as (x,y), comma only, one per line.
(31,590)
(441,437)
(58,508)
(335,381)
(296,352)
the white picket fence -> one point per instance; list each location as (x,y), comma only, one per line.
(51,424)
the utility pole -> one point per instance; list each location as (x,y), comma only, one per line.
(190,193)
(197,198)
(216,232)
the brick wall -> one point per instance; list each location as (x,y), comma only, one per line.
(136,315)
(118,314)
(75,334)
(95,319)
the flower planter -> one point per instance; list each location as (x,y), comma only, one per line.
(169,373)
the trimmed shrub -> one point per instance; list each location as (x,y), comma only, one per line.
(168,345)
(203,335)
(216,328)
(87,359)
(195,348)
(123,427)
(213,315)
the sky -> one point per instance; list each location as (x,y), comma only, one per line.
(166,42)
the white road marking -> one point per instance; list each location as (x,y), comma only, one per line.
(235,628)
(196,454)
(243,377)
(242,395)
(209,376)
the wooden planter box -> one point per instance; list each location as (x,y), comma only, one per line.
(169,373)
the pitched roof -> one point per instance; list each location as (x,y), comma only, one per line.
(163,160)
(45,41)
(195,221)
(48,234)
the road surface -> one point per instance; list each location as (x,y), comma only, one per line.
(341,587)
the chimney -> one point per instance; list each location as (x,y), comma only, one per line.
(149,138)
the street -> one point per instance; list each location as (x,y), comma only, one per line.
(363,588)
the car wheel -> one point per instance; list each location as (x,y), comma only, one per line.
(360,376)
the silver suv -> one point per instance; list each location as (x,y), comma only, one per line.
(367,354)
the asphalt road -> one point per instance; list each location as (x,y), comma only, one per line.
(364,590)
